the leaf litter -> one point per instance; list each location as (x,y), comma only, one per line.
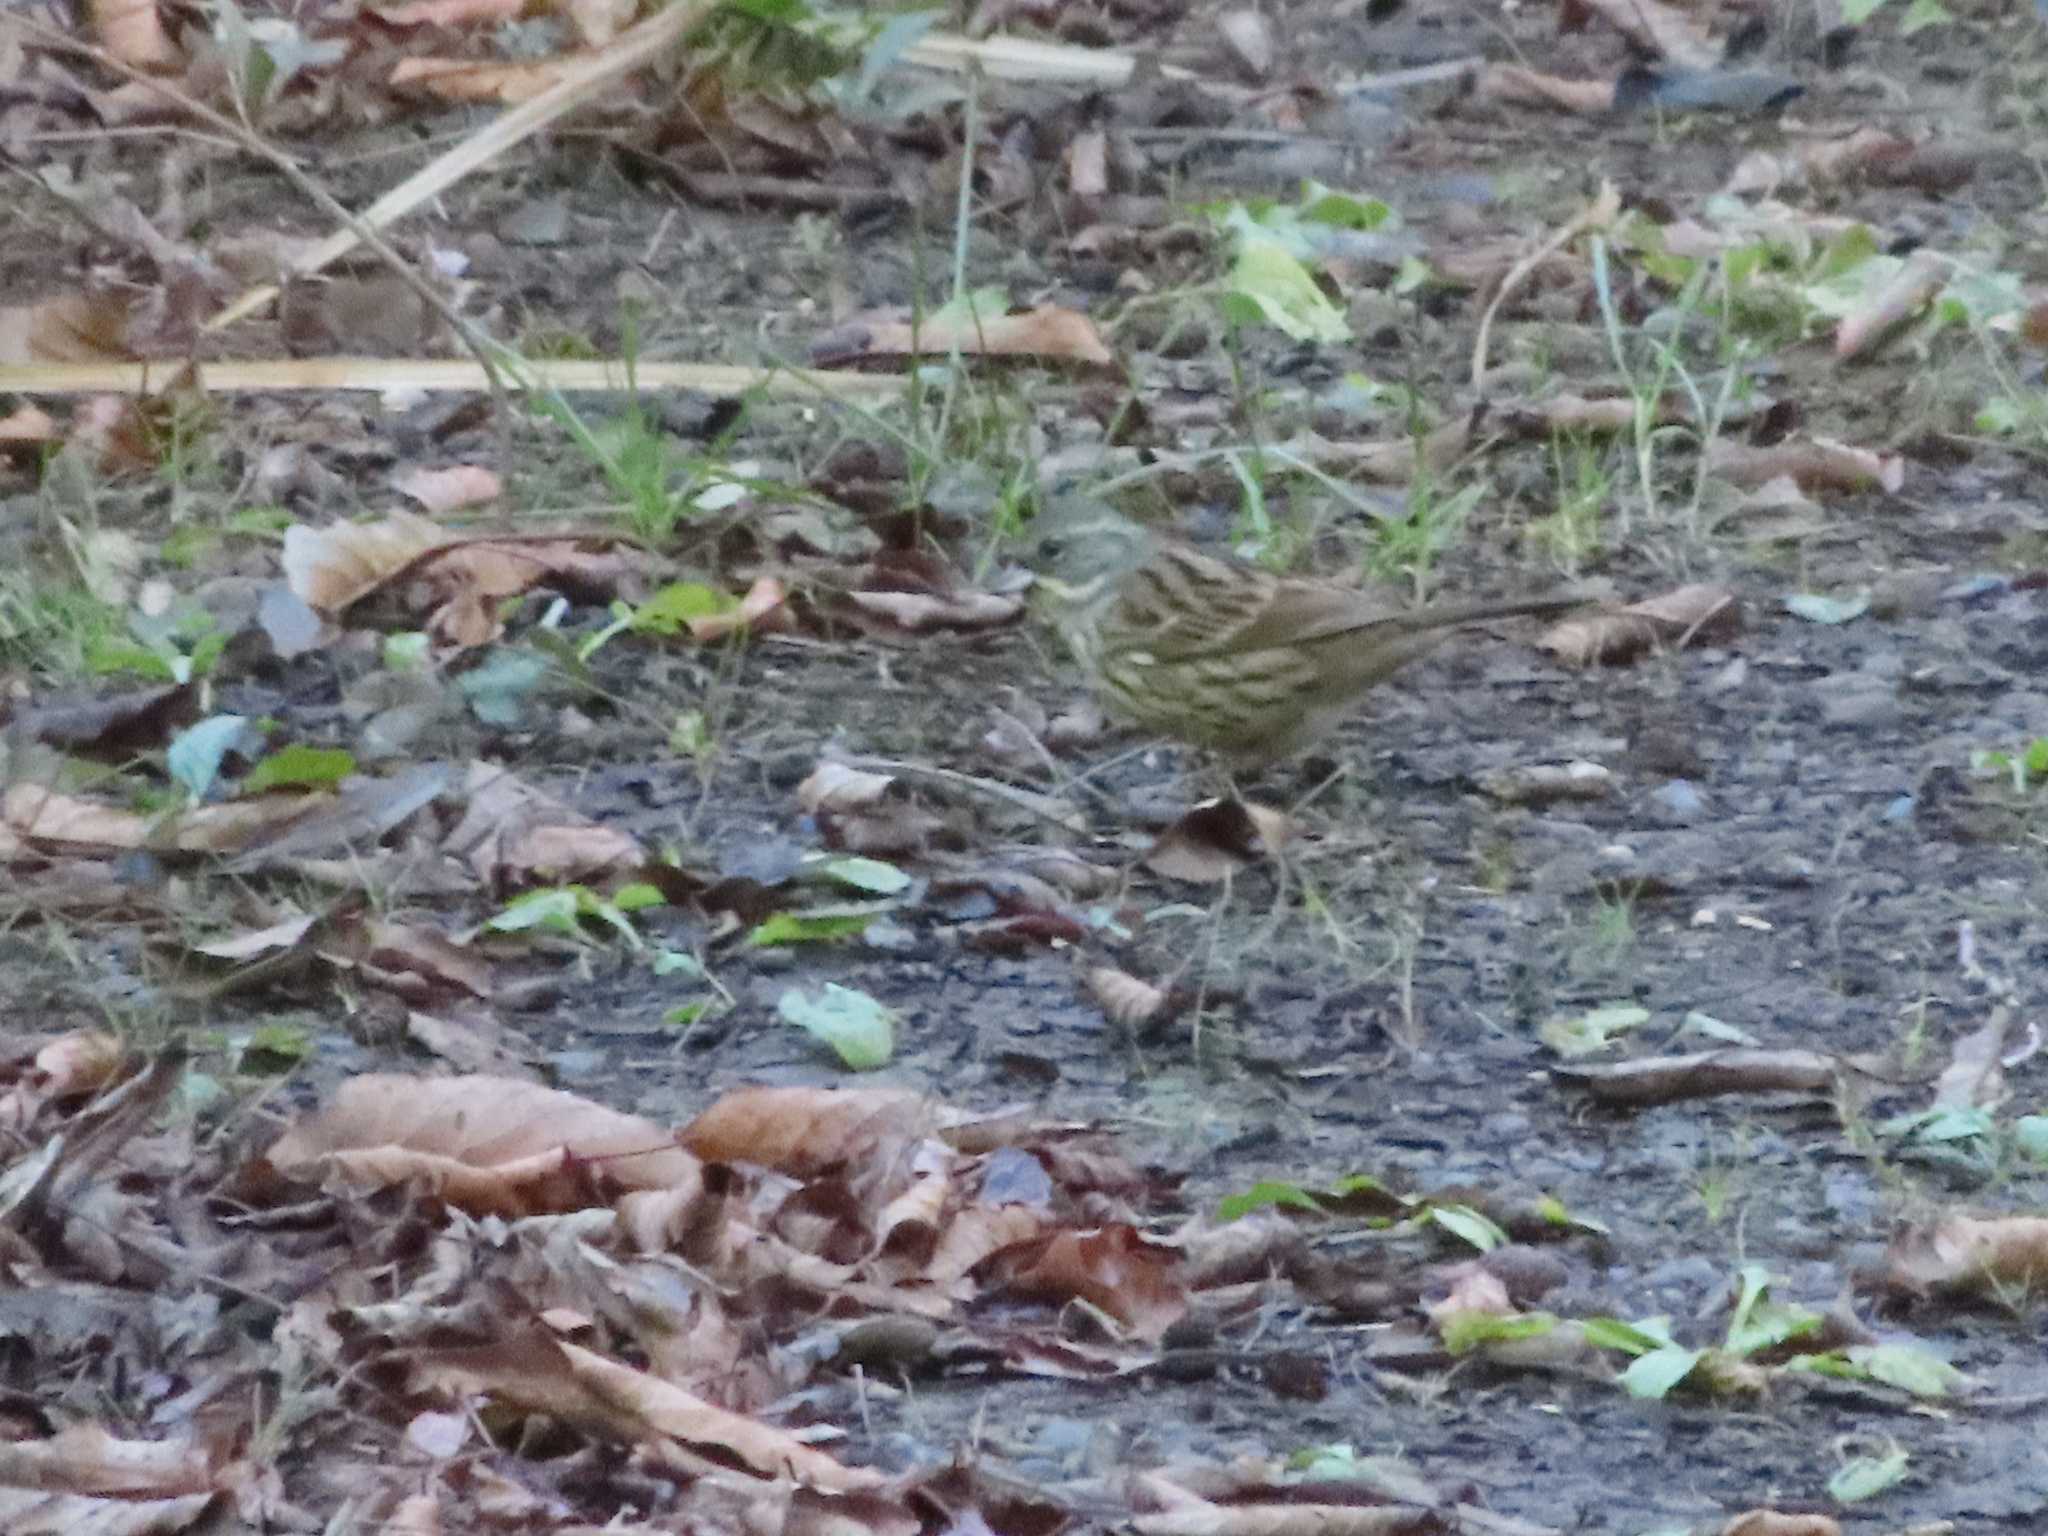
(566,1310)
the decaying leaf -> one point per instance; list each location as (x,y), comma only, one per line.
(1124,998)
(1816,464)
(1678,618)
(485,1144)
(1049,332)
(1217,838)
(513,835)
(800,1130)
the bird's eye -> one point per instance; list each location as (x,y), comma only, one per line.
(1051,547)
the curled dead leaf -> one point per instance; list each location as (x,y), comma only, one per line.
(763,608)
(485,1144)
(445,490)
(1676,619)
(1775,1522)
(801,1130)
(1124,998)
(1216,838)
(1050,332)
(1816,463)
(836,787)
(1998,1255)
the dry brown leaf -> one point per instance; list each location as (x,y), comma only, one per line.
(1474,1290)
(331,568)
(2000,1255)
(80,1062)
(1516,86)
(85,1459)
(1975,1075)
(1049,332)
(1816,463)
(71,328)
(26,432)
(800,1131)
(466,80)
(1112,1268)
(544,1375)
(133,32)
(417,1514)
(836,787)
(1217,838)
(1833,158)
(446,13)
(1659,29)
(1877,316)
(1124,998)
(1706,1074)
(764,609)
(38,815)
(978,1231)
(483,1143)
(1677,618)
(511,834)
(920,611)
(445,490)
(597,22)
(1087,162)
(2034,325)
(1772,1522)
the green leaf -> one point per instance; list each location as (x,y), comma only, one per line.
(676,962)
(499,688)
(1462,1221)
(894,36)
(870,875)
(808,928)
(406,650)
(1908,1367)
(1758,1323)
(106,655)
(195,754)
(967,309)
(273,1048)
(1412,274)
(853,1024)
(1323,205)
(1270,283)
(1922,14)
(1266,1193)
(562,909)
(2030,1135)
(1631,1338)
(1465,1331)
(1857,12)
(1592,1031)
(300,767)
(1867,1476)
(1655,1374)
(669,611)
(637,896)
(1816,608)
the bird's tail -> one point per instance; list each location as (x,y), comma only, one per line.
(1451,615)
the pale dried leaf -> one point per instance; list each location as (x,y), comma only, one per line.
(801,1130)
(1676,618)
(445,490)
(487,1143)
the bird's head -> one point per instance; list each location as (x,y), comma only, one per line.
(1080,552)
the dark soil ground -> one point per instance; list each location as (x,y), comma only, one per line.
(1792,841)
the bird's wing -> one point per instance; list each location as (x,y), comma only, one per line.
(1182,605)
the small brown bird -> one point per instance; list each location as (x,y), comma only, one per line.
(1223,655)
